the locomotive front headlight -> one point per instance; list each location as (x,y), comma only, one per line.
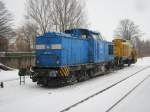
(40,46)
(56,46)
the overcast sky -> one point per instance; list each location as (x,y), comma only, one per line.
(103,15)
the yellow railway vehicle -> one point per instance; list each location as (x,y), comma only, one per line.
(124,52)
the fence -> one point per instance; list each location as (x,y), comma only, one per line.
(17,59)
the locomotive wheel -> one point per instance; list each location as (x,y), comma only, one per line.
(103,69)
(72,79)
(121,64)
(82,75)
(91,73)
(86,75)
(129,62)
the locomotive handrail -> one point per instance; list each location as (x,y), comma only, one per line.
(17,54)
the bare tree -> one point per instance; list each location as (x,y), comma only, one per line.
(40,12)
(57,15)
(143,48)
(3,44)
(21,44)
(128,30)
(68,14)
(28,32)
(5,20)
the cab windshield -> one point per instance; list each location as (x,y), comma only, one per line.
(97,36)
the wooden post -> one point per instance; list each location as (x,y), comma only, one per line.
(2,85)
(22,74)
(22,80)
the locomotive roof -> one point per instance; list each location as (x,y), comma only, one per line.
(82,29)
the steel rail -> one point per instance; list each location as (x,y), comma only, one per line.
(103,90)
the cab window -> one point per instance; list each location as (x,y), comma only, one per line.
(110,50)
(97,36)
(84,34)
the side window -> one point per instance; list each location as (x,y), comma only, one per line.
(100,37)
(110,50)
(68,32)
(84,34)
(97,36)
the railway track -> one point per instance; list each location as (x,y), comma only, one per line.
(105,89)
(122,98)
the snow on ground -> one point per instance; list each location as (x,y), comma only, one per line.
(31,97)
(8,75)
(138,101)
(104,101)
(143,61)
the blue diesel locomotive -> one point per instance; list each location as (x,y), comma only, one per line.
(71,56)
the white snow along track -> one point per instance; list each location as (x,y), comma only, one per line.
(33,98)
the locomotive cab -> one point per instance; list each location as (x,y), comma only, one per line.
(124,52)
(84,34)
